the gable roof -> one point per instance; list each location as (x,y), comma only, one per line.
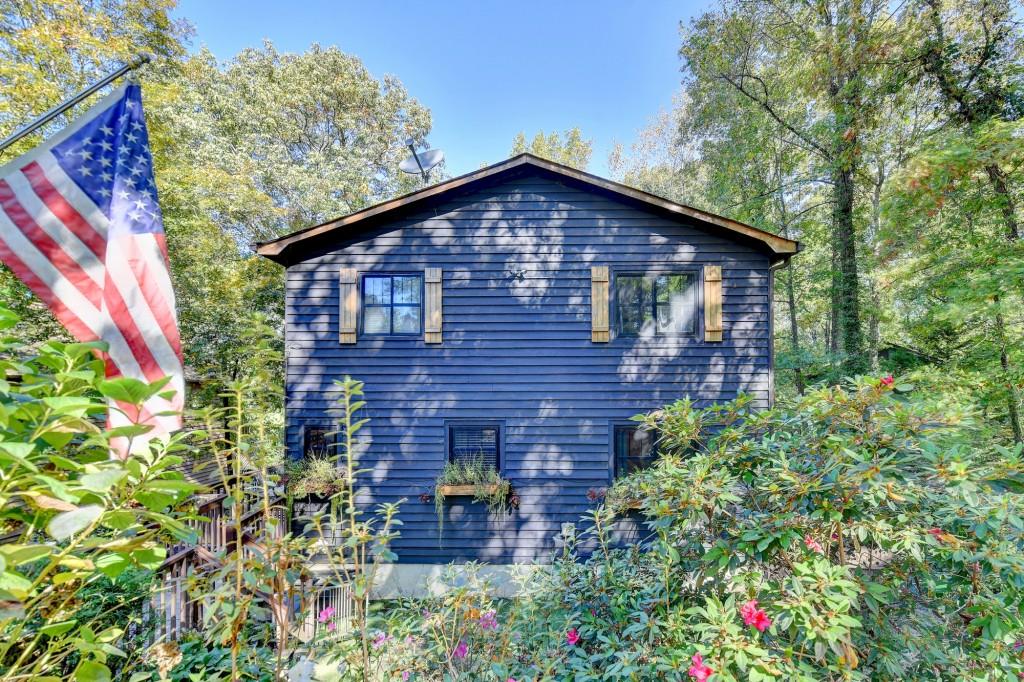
(289,248)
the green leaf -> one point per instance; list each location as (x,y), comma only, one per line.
(54,629)
(132,391)
(17,453)
(150,557)
(119,520)
(112,565)
(58,439)
(71,406)
(154,501)
(16,555)
(8,318)
(91,671)
(66,524)
(64,463)
(15,584)
(102,481)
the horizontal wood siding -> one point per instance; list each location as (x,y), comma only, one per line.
(516,261)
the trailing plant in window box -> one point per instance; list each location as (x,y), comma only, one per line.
(625,494)
(318,476)
(473,478)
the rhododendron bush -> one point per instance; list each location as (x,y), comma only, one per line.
(859,534)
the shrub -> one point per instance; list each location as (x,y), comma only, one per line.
(77,518)
(860,533)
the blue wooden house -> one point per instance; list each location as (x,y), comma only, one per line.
(526,310)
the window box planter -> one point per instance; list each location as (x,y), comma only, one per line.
(467,490)
(623,504)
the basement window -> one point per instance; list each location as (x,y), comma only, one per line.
(475,442)
(316,441)
(634,449)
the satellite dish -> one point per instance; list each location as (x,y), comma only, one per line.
(420,163)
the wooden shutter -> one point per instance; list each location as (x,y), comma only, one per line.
(432,305)
(599,304)
(348,304)
(712,302)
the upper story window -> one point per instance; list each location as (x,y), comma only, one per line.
(660,304)
(635,449)
(475,442)
(392,304)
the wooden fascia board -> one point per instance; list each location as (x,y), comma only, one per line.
(779,246)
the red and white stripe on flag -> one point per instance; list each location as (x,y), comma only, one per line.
(80,224)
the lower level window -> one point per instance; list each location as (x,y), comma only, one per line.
(316,441)
(475,443)
(634,449)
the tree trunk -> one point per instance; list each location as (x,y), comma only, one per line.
(875,299)
(1013,399)
(845,279)
(833,317)
(874,333)
(997,178)
(794,331)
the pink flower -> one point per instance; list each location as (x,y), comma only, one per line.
(813,545)
(572,637)
(461,650)
(761,621)
(331,626)
(326,614)
(489,621)
(405,675)
(698,670)
(380,639)
(887,380)
(755,616)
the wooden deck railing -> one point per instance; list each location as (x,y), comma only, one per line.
(174,611)
(337,597)
(171,607)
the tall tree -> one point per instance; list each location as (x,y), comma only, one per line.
(569,148)
(251,149)
(971,51)
(815,69)
(52,49)
(960,194)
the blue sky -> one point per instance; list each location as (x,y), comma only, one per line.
(486,70)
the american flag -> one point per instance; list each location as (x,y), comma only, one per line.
(81,226)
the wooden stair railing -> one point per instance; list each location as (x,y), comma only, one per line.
(172,609)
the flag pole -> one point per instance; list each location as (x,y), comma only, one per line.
(135,63)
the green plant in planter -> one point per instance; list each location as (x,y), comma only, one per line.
(488,485)
(317,475)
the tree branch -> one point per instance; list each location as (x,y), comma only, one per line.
(770,110)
